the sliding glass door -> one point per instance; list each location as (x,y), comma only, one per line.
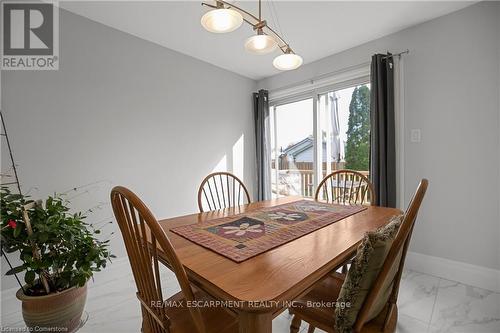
(313,136)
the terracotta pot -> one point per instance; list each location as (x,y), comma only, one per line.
(60,312)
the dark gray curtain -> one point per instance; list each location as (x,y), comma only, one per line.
(383,128)
(262,144)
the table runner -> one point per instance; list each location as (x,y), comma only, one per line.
(240,237)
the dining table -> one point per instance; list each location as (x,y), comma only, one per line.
(263,286)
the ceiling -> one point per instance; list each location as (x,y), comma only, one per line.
(313,29)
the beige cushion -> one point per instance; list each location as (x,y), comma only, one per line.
(364,270)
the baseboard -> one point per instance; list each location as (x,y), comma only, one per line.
(477,276)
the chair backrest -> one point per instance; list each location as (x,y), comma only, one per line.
(144,237)
(346,187)
(221,190)
(390,274)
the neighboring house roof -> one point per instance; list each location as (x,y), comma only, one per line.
(299,147)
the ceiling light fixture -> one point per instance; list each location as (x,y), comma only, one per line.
(261,43)
(221,20)
(287,61)
(227,17)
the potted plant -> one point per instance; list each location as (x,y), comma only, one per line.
(59,253)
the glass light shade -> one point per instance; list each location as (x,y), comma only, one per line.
(221,20)
(260,44)
(287,61)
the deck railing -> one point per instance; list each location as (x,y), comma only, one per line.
(297,181)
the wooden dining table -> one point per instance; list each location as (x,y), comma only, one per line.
(260,288)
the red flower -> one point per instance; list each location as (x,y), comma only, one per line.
(12,224)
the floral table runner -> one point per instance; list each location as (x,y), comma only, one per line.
(240,237)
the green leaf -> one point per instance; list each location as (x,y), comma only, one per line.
(17,231)
(43,237)
(68,246)
(27,257)
(29,277)
(10,249)
(15,270)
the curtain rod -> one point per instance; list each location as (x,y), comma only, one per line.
(321,76)
(396,54)
(328,74)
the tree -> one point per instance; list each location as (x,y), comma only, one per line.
(357,150)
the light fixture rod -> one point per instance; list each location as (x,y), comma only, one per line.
(285,44)
(260,10)
(259,24)
(208,5)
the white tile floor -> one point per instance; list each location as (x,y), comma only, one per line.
(426,304)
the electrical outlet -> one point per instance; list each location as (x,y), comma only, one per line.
(415,135)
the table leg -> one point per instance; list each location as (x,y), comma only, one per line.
(254,322)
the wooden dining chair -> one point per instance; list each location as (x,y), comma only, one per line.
(221,190)
(144,238)
(383,292)
(346,187)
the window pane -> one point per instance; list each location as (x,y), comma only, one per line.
(345,128)
(343,124)
(293,148)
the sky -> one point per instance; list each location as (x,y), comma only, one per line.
(295,120)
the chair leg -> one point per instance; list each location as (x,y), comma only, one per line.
(388,315)
(295,325)
(144,325)
(311,329)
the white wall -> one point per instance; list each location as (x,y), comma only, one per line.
(121,110)
(452,94)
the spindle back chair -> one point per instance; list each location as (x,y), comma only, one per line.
(389,277)
(221,190)
(346,187)
(395,258)
(138,225)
